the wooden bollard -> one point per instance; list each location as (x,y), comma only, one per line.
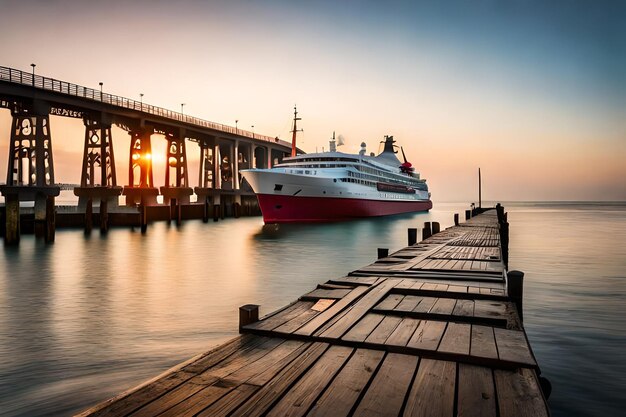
(236,210)
(426,231)
(248,314)
(468,214)
(88,216)
(456,219)
(435,228)
(216,212)
(515,289)
(383,253)
(412,235)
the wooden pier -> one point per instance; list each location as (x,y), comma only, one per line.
(434,329)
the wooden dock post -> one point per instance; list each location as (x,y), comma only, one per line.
(412,235)
(216,212)
(426,231)
(515,289)
(436,228)
(248,314)
(383,253)
(468,214)
(143,216)
(456,219)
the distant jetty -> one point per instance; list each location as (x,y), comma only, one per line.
(435,328)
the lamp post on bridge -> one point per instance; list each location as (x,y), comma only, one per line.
(100,90)
(252,131)
(182,106)
(141,101)
(33,65)
(236,129)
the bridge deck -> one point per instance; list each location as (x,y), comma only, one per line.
(427,331)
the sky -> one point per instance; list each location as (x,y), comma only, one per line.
(531,91)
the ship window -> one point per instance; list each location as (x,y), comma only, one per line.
(278,187)
(307,172)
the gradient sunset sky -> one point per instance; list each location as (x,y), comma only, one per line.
(531,91)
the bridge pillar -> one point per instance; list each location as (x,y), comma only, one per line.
(140,189)
(176,190)
(98,153)
(30,173)
(206,180)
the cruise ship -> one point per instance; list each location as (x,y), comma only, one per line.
(335,186)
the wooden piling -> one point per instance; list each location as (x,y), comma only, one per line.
(456,219)
(426,231)
(515,289)
(468,214)
(216,212)
(383,253)
(412,236)
(435,228)
(143,218)
(248,314)
(205,212)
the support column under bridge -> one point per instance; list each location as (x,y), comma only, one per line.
(98,179)
(30,173)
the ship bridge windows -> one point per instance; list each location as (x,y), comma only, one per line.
(278,187)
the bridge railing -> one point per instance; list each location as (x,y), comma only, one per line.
(27,78)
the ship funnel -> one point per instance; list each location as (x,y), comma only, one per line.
(363,150)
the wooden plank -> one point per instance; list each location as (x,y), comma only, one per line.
(229,402)
(490,309)
(402,334)
(198,402)
(390,383)
(476,392)
(363,328)
(260,371)
(326,293)
(464,308)
(519,394)
(432,392)
(383,330)
(457,288)
(323,317)
(456,339)
(408,303)
(130,401)
(300,397)
(427,335)
(211,376)
(513,346)
(443,306)
(390,302)
(282,317)
(361,307)
(263,399)
(344,391)
(356,280)
(483,342)
(425,305)
(297,322)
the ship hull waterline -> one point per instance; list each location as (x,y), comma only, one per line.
(302,209)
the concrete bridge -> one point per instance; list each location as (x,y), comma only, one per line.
(31,98)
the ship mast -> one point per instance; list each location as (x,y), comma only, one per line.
(295,129)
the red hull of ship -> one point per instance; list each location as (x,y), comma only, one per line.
(290,209)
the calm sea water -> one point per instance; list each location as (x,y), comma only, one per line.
(88,317)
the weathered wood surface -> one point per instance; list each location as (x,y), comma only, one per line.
(427,331)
